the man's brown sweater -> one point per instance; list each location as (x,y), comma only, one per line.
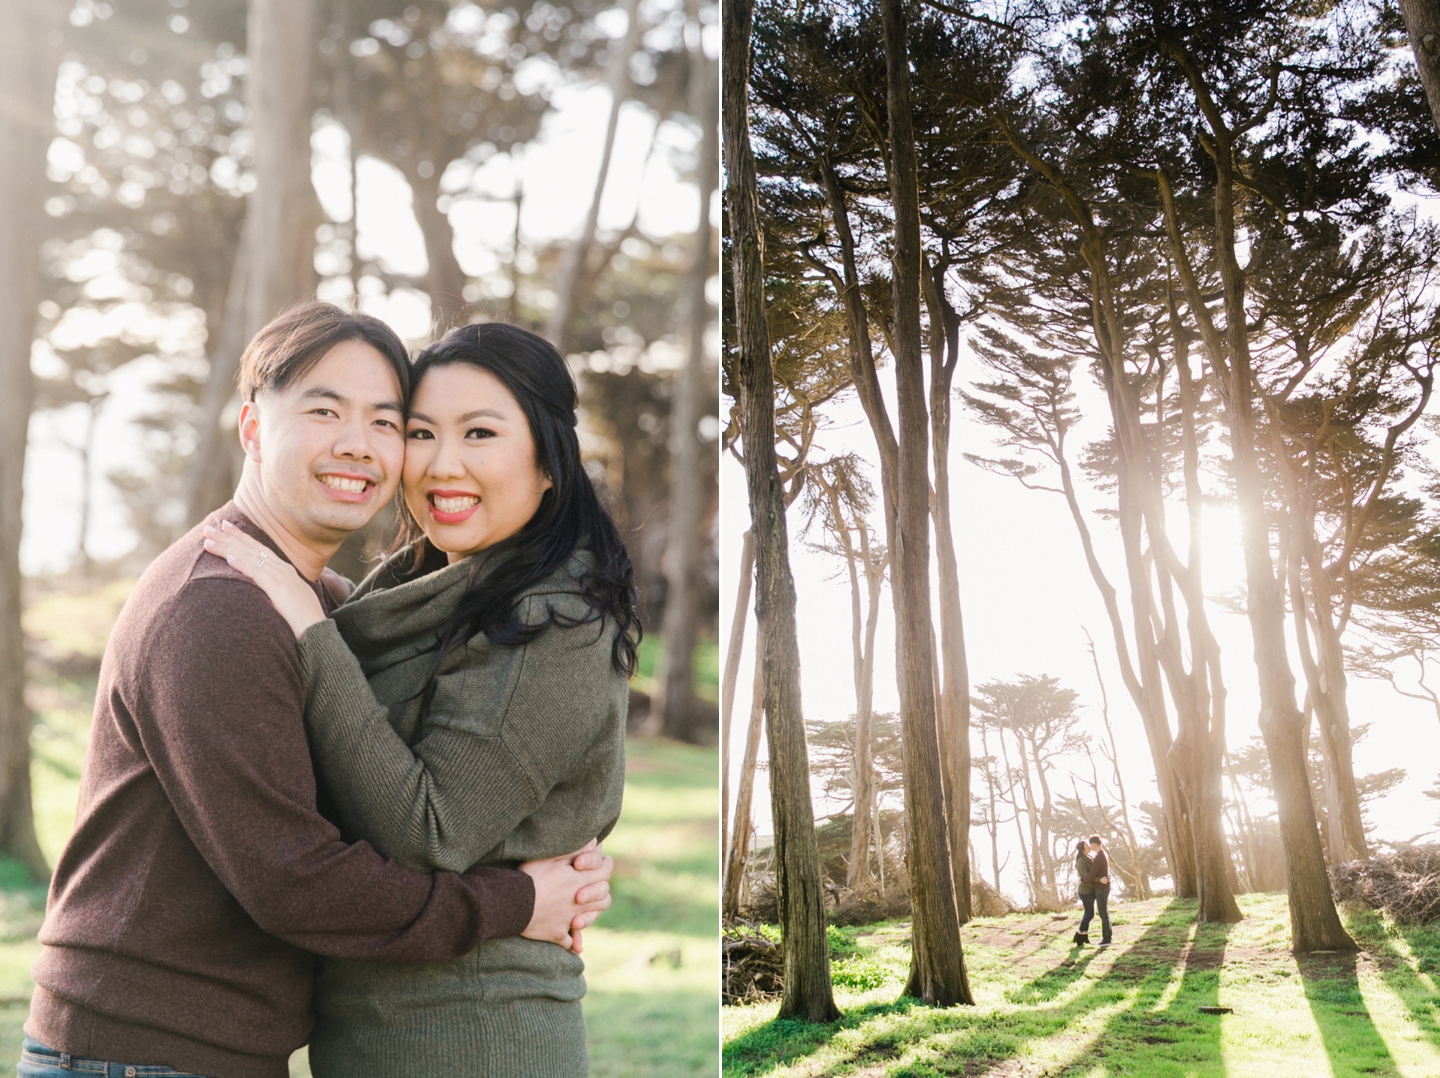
(200,877)
(1099,870)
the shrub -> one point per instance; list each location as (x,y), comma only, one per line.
(1404,882)
(858,974)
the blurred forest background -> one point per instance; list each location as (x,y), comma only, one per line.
(173,173)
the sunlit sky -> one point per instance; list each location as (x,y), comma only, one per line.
(558,171)
(1028,599)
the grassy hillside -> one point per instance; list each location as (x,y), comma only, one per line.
(1047,1008)
(652,962)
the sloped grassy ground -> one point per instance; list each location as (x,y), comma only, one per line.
(1044,1007)
(652,963)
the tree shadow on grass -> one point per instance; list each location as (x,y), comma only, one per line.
(1180,1036)
(785,1040)
(1346,1028)
(971,1042)
(1055,980)
(1419,997)
(1142,969)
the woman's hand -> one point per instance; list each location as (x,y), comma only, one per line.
(570,892)
(291,593)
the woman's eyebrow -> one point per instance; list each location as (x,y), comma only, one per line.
(489,413)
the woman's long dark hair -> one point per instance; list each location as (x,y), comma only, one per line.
(570,516)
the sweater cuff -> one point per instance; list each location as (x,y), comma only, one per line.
(317,641)
(506,897)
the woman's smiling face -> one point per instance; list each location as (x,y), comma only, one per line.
(470,476)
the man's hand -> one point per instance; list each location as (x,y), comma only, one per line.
(570,892)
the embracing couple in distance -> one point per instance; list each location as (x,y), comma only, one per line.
(457,714)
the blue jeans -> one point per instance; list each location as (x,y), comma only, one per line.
(1099,900)
(38,1061)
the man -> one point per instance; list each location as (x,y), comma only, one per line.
(1098,876)
(200,877)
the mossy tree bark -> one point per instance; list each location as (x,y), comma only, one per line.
(807,992)
(1422,21)
(937,965)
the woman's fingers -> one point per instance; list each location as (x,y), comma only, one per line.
(563,893)
(588,857)
(595,894)
(239,549)
(293,597)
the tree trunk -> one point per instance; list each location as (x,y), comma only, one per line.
(993,824)
(1325,684)
(955,691)
(572,263)
(1132,844)
(513,306)
(1019,816)
(87,480)
(1199,693)
(732,671)
(681,715)
(1148,699)
(862,667)
(1314,922)
(1422,21)
(28,63)
(866,807)
(213,477)
(807,992)
(1047,828)
(444,279)
(739,855)
(1328,691)
(283,209)
(937,964)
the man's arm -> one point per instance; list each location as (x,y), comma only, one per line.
(218,713)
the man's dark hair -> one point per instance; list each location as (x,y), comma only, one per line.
(569,517)
(298,338)
(1095,839)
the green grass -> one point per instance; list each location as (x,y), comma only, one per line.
(652,962)
(1044,1007)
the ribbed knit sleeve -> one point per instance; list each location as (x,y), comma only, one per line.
(503,727)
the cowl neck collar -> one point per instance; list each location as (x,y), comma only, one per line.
(398,606)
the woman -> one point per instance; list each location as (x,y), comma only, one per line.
(1086,890)
(467,704)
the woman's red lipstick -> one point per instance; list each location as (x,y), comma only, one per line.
(441,516)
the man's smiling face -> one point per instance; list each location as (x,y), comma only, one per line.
(329,446)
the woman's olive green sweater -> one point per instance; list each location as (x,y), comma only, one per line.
(1082,870)
(517,753)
